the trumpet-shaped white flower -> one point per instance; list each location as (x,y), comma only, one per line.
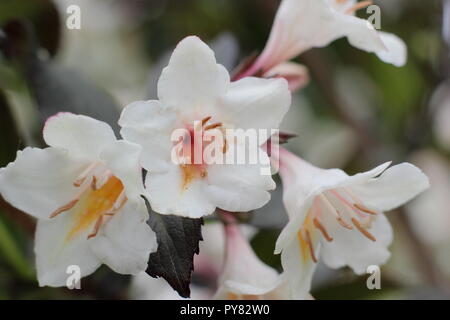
(338,216)
(304,24)
(193,88)
(85,192)
(244,276)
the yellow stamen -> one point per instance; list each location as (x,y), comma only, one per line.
(364,209)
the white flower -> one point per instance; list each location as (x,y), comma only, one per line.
(304,24)
(193,87)
(85,192)
(244,276)
(339,216)
(429,214)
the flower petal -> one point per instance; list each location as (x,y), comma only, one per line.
(396,52)
(254,103)
(122,158)
(298,272)
(55,253)
(351,248)
(167,195)
(193,78)
(320,25)
(150,124)
(396,186)
(126,241)
(80,135)
(244,273)
(238,187)
(40,181)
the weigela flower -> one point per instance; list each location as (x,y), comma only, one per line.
(244,276)
(85,190)
(339,217)
(195,94)
(304,24)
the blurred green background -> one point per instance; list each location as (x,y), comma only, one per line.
(356,112)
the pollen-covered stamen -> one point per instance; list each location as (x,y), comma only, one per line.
(310,245)
(85,174)
(359,6)
(64,208)
(322,229)
(99,181)
(205,120)
(364,209)
(213,126)
(363,231)
(97,226)
(335,212)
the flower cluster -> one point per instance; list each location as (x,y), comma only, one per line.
(87,189)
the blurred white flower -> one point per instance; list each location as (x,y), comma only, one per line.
(244,275)
(429,214)
(340,215)
(304,24)
(85,192)
(193,87)
(440,104)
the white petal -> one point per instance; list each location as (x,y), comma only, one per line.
(126,241)
(55,252)
(238,187)
(297,272)
(396,52)
(351,248)
(244,273)
(150,125)
(40,181)
(122,158)
(167,196)
(396,186)
(256,103)
(80,135)
(320,25)
(192,79)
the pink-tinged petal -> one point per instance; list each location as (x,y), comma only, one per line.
(80,135)
(40,181)
(300,25)
(243,273)
(295,74)
(193,79)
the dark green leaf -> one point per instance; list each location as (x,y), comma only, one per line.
(10,138)
(178,241)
